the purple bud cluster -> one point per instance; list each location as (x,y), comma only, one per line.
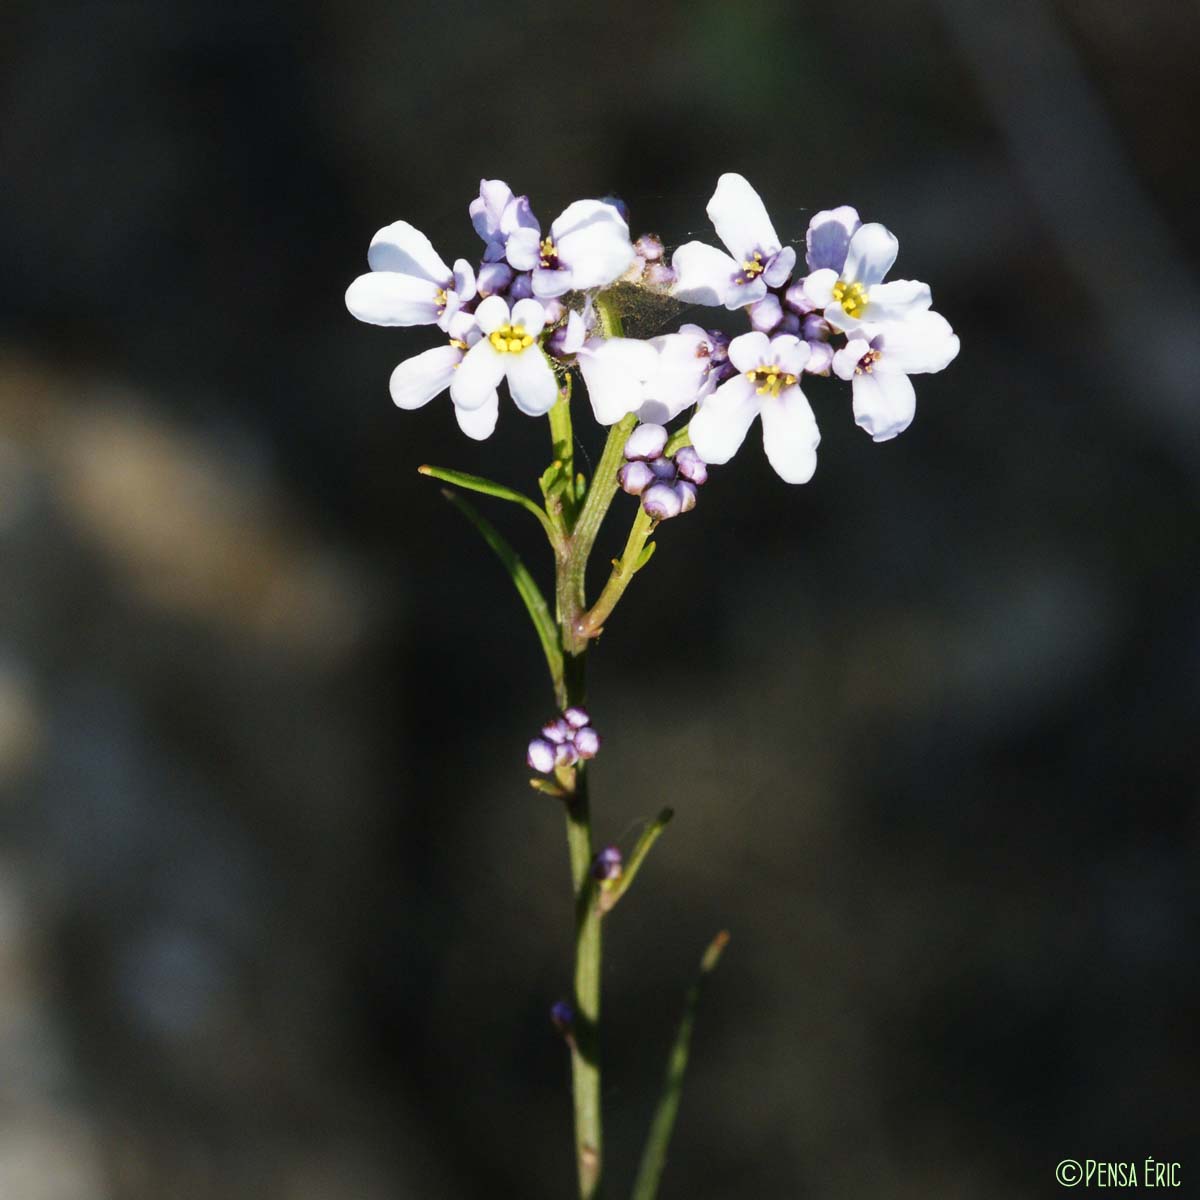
(563,742)
(667,485)
(791,311)
(654,271)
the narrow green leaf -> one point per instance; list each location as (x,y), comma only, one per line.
(535,602)
(645,556)
(654,1156)
(677,441)
(614,890)
(489,487)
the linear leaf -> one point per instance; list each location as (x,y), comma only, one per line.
(489,487)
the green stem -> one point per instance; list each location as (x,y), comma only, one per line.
(571,578)
(624,569)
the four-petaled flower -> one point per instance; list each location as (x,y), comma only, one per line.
(878,361)
(756,259)
(508,349)
(768,387)
(848,261)
(588,246)
(408,283)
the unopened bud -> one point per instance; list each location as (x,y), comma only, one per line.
(565,754)
(660,501)
(646,442)
(607,864)
(766,314)
(635,477)
(493,277)
(663,468)
(659,275)
(521,287)
(587,742)
(576,717)
(649,247)
(691,466)
(820,358)
(562,1016)
(541,755)
(687,495)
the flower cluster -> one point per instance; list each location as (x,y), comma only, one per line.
(527,315)
(666,483)
(564,741)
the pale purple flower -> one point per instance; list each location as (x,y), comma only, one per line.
(509,349)
(849,261)
(419,379)
(879,360)
(497,214)
(607,864)
(408,283)
(768,387)
(588,246)
(756,260)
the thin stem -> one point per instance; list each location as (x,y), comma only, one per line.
(583,539)
(624,569)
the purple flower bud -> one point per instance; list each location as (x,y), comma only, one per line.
(576,717)
(718,347)
(659,275)
(635,477)
(521,287)
(619,205)
(565,754)
(663,469)
(607,864)
(766,314)
(556,731)
(646,442)
(649,247)
(687,495)
(691,466)
(789,324)
(660,501)
(796,299)
(562,1016)
(540,756)
(587,742)
(820,359)
(816,328)
(555,311)
(493,277)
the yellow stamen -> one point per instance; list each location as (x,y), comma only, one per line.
(771,380)
(548,251)
(510,339)
(439,298)
(851,296)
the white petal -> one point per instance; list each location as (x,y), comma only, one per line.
(777,274)
(593,240)
(478,423)
(679,376)
(790,353)
(576,333)
(922,344)
(492,313)
(720,424)
(462,326)
(899,300)
(790,435)
(549,283)
(522,249)
(738,295)
(400,247)
(749,351)
(530,314)
(740,218)
(828,237)
(387,298)
(417,380)
(870,255)
(846,360)
(818,287)
(615,372)
(464,279)
(884,403)
(702,273)
(531,381)
(480,371)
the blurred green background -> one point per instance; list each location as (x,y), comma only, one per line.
(279,916)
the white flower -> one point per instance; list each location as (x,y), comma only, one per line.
(419,379)
(657,379)
(756,260)
(588,246)
(408,283)
(767,386)
(509,349)
(879,359)
(852,294)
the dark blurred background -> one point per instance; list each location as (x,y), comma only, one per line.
(279,916)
